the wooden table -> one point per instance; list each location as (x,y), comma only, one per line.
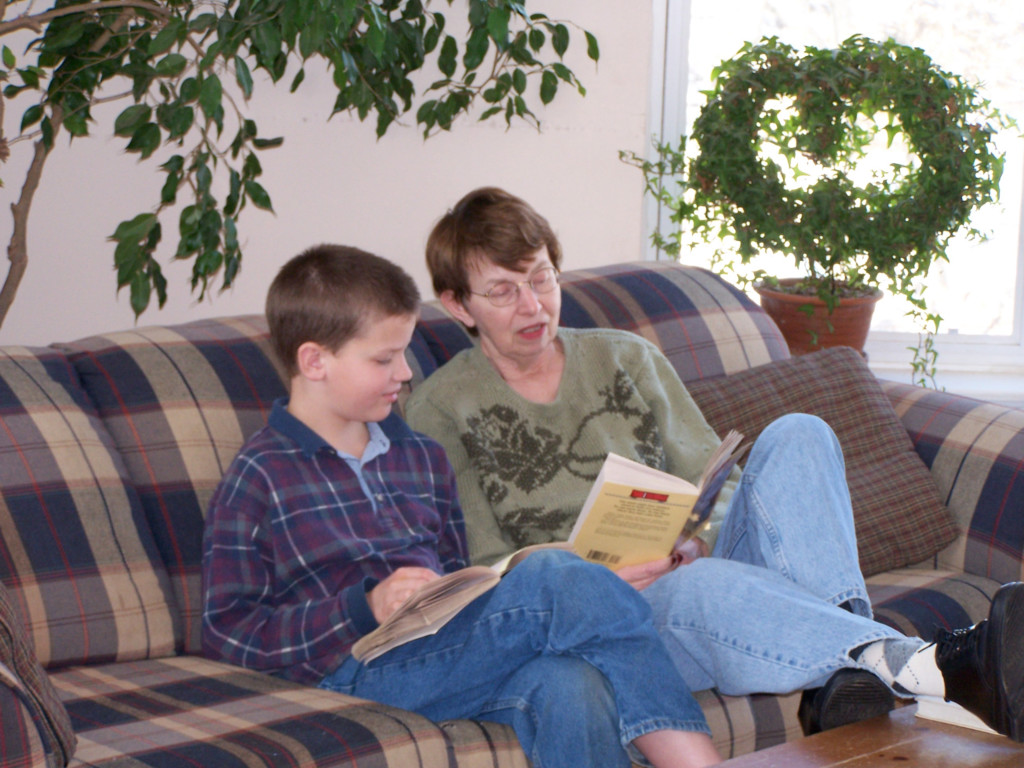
(894,740)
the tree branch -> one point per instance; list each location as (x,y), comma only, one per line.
(37,21)
(17,249)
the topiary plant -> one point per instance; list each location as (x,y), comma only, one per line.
(784,158)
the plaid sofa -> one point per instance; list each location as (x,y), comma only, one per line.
(112,445)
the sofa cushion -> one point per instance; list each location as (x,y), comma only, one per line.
(191,711)
(179,401)
(21,672)
(75,551)
(899,516)
(918,601)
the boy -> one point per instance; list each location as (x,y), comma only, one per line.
(335,512)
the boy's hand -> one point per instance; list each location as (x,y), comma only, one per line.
(385,598)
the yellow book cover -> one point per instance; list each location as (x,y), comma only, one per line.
(635,513)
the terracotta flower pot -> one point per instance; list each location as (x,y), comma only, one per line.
(804,332)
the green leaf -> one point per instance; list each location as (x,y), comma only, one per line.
(312,38)
(76,124)
(166,37)
(188,221)
(497,25)
(174,164)
(490,112)
(234,193)
(375,39)
(297,80)
(210,93)
(8,57)
(258,195)
(476,49)
(128,258)
(251,168)
(177,119)
(171,65)
(277,141)
(30,77)
(134,230)
(140,293)
(203,22)
(145,139)
(560,39)
(189,89)
(169,191)
(446,61)
(46,127)
(32,116)
(267,38)
(519,81)
(243,76)
(548,86)
(126,123)
(204,178)
(592,48)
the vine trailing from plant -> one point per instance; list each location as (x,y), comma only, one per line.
(187,68)
(775,163)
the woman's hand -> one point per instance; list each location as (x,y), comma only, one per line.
(385,598)
(690,551)
(645,574)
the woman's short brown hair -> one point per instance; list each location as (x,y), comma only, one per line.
(328,293)
(488,223)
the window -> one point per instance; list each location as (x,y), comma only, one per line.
(979,293)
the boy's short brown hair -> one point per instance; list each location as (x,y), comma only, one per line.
(491,224)
(328,293)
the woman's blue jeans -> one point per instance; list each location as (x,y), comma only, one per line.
(761,615)
(562,650)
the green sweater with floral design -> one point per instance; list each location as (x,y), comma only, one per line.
(524,469)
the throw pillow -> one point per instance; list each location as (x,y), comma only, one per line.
(898,514)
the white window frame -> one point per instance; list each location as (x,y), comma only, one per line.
(989,368)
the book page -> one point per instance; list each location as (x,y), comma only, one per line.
(426,611)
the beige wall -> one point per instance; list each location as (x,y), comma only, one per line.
(332,181)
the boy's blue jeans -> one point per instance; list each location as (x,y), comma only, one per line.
(761,615)
(562,650)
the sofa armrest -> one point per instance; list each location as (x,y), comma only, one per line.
(975,451)
(23,746)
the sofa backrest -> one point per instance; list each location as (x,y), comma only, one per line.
(706,327)
(178,401)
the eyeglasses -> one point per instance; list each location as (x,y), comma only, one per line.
(506,292)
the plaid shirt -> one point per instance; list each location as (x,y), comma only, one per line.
(293,543)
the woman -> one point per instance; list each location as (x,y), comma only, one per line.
(778,605)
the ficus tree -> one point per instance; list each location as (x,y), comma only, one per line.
(185,69)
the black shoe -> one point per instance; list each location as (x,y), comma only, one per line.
(983,666)
(849,696)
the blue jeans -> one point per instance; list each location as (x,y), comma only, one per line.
(761,615)
(562,650)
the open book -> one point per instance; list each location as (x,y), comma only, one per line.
(436,603)
(635,514)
